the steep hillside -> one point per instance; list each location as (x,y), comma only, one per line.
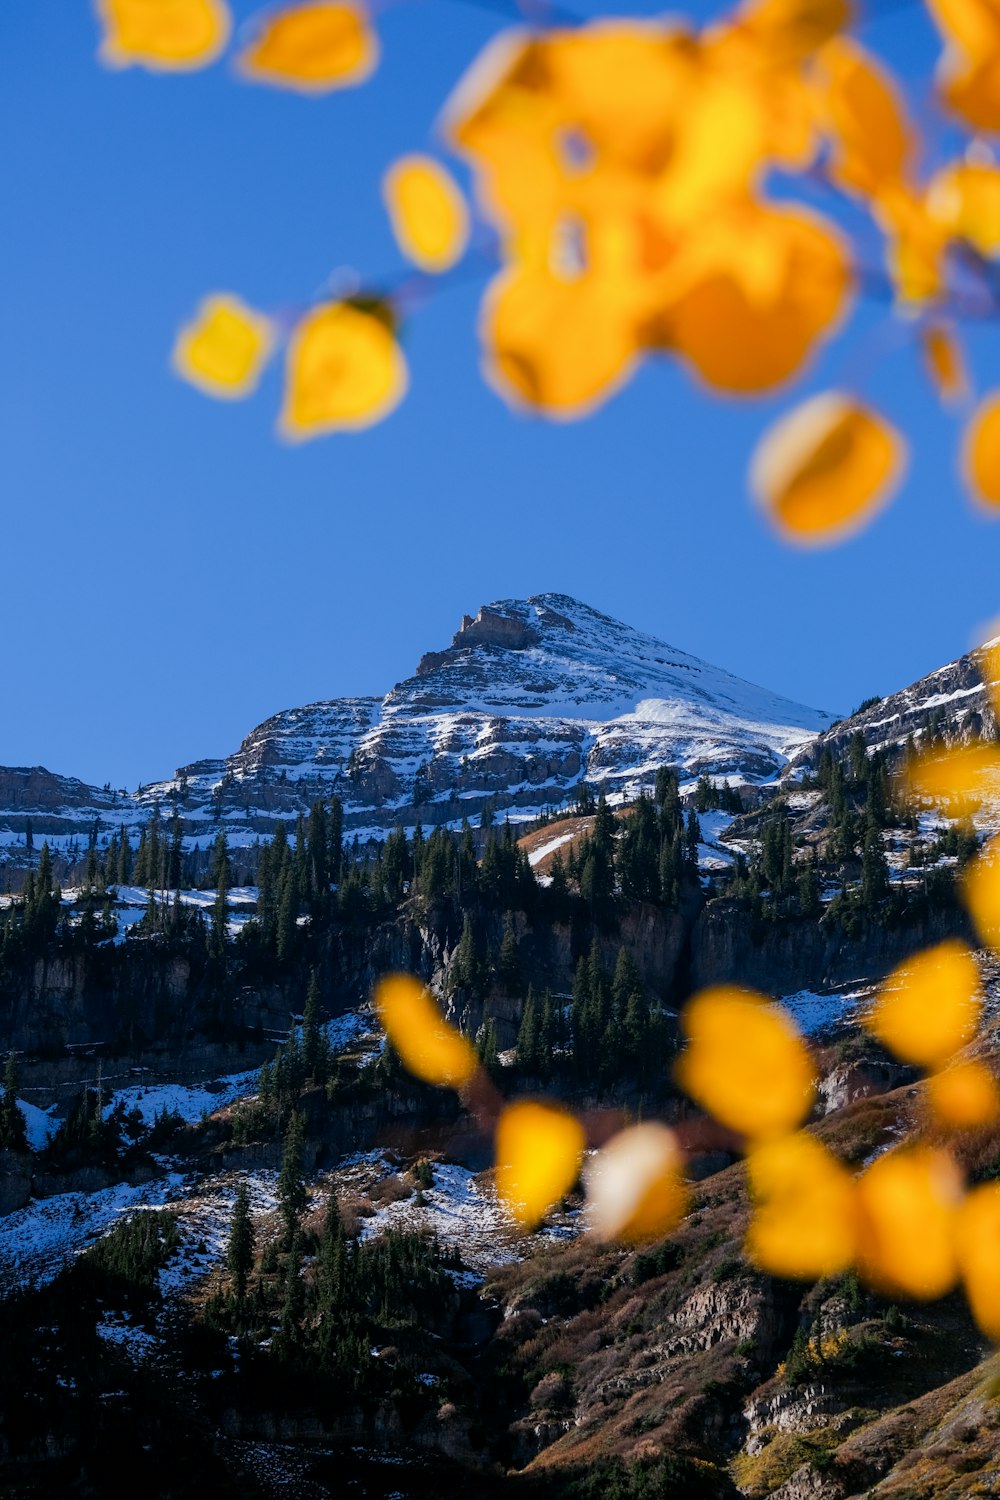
(951,702)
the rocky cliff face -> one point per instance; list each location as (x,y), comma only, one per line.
(531,697)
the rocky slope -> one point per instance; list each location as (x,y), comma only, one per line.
(953,701)
(531,697)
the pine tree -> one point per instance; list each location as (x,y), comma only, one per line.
(692,837)
(239,1255)
(315,1049)
(486,1044)
(333,1257)
(509,964)
(874,872)
(528,1036)
(288,909)
(292,1196)
(13,1129)
(294,1307)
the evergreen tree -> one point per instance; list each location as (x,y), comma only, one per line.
(808,890)
(528,1036)
(292,1196)
(295,1293)
(288,909)
(315,1048)
(239,1255)
(874,872)
(509,964)
(692,837)
(13,1129)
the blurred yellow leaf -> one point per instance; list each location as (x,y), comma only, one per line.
(929,1006)
(345,371)
(428,213)
(964,1096)
(873,142)
(959,780)
(978,1241)
(225,348)
(826,468)
(981,892)
(971,87)
(557,344)
(944,362)
(745,1062)
(163,35)
(981,451)
(965,198)
(973,26)
(620,83)
(751,294)
(804,1222)
(909,1200)
(968,76)
(428,1046)
(916,245)
(794,29)
(316,47)
(635,1187)
(539,1149)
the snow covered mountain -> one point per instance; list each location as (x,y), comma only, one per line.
(531,697)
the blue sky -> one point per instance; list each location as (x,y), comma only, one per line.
(173,573)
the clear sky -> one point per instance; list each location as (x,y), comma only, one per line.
(172,573)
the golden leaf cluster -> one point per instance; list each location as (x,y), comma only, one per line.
(625,169)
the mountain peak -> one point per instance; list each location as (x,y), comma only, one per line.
(531,697)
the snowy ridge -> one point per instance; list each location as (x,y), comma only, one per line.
(531,697)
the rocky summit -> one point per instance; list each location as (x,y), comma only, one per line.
(531,697)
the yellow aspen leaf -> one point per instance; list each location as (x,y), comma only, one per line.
(970,87)
(745,1062)
(635,1185)
(965,198)
(793,30)
(163,35)
(981,892)
(431,1048)
(978,1240)
(929,1006)
(556,344)
(225,348)
(945,362)
(981,452)
(719,149)
(873,141)
(971,26)
(804,1222)
(958,780)
(752,293)
(964,1096)
(909,1201)
(344,371)
(826,468)
(621,84)
(427,211)
(916,244)
(539,1149)
(315,48)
